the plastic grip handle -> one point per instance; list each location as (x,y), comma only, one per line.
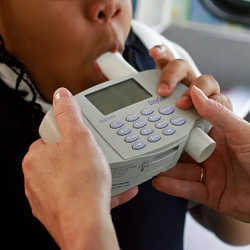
(200,146)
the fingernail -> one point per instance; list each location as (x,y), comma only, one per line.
(160,48)
(184,98)
(159,51)
(164,89)
(61,93)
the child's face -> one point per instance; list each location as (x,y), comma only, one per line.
(59,40)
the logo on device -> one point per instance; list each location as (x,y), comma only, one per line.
(157,100)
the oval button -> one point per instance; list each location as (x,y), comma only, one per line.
(161,125)
(132,118)
(147,111)
(116,124)
(154,138)
(168,131)
(138,145)
(154,118)
(166,110)
(147,131)
(131,138)
(139,124)
(179,121)
(124,131)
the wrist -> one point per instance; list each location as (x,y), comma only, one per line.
(86,228)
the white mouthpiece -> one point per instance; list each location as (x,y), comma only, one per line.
(114,66)
(200,146)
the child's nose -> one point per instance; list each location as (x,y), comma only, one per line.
(103,11)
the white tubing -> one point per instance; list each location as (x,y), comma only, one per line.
(200,146)
(114,66)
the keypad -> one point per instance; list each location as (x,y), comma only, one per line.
(148,126)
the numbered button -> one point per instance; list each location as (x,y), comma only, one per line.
(138,145)
(139,124)
(116,124)
(161,125)
(132,118)
(154,118)
(147,131)
(131,138)
(147,111)
(166,110)
(179,121)
(124,131)
(168,131)
(154,138)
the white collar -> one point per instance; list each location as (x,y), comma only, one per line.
(9,76)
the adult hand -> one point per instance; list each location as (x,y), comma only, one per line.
(226,188)
(68,184)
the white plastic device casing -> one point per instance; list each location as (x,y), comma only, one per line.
(132,167)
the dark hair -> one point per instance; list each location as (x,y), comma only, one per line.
(18,67)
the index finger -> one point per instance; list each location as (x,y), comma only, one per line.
(175,72)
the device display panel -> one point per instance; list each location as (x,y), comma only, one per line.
(118,96)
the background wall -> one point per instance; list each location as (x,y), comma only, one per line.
(183,11)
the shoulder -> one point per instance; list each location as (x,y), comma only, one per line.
(19,120)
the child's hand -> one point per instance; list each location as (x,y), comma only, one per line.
(175,71)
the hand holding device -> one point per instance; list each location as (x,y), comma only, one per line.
(141,133)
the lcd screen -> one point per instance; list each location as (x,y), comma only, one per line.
(118,96)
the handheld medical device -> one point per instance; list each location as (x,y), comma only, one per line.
(140,133)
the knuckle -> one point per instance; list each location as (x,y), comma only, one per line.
(27,162)
(207,81)
(205,78)
(181,63)
(228,102)
(224,101)
(80,134)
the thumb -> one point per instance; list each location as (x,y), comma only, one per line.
(218,115)
(67,113)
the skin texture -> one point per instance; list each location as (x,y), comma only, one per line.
(79,31)
(227,185)
(59,188)
(59,48)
